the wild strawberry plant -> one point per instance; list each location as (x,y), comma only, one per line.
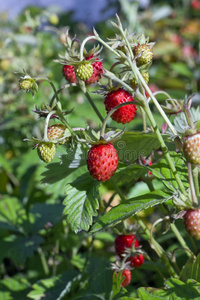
(83,161)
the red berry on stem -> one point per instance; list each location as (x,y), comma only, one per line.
(97,72)
(102,161)
(125,241)
(127,277)
(123,114)
(191,149)
(192,223)
(69,73)
(136,261)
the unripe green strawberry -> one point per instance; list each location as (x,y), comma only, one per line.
(146,56)
(191,149)
(26,84)
(134,82)
(56,132)
(46,151)
(192,223)
(84,71)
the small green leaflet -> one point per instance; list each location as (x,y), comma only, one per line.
(130,208)
(81,202)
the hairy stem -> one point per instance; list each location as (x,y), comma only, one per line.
(165,149)
(94,106)
(51,83)
(157,247)
(192,188)
(46,124)
(161,111)
(43,261)
(110,113)
(60,90)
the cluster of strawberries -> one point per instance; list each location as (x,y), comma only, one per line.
(128,249)
(102,158)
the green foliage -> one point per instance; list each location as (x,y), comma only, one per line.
(132,145)
(175,289)
(81,202)
(129,208)
(191,270)
(57,224)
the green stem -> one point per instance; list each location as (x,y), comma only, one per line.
(93,37)
(196,250)
(195,172)
(67,124)
(112,76)
(46,124)
(192,188)
(43,261)
(156,267)
(54,259)
(110,113)
(125,39)
(157,247)
(188,117)
(164,149)
(181,240)
(60,90)
(117,189)
(161,111)
(144,122)
(166,94)
(177,233)
(51,83)
(94,106)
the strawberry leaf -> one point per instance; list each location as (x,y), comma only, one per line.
(130,208)
(56,287)
(175,289)
(162,172)
(81,202)
(191,270)
(132,145)
(19,248)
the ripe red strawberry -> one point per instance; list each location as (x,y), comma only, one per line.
(124,114)
(56,132)
(136,261)
(97,72)
(102,161)
(125,241)
(69,73)
(192,223)
(147,54)
(84,71)
(127,277)
(46,151)
(191,149)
